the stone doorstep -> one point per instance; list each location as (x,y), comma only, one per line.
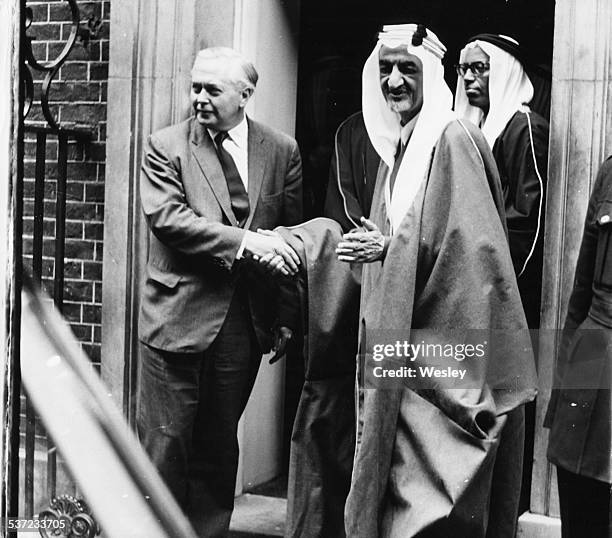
(257,516)
(538,526)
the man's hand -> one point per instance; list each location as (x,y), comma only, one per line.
(282,335)
(271,251)
(362,246)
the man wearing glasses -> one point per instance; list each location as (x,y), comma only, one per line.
(493,91)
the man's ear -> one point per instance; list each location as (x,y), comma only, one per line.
(245,95)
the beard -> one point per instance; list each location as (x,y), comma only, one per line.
(400,106)
(400,100)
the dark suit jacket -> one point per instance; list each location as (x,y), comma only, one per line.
(192,271)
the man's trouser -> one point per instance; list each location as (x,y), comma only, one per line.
(189,405)
(585,505)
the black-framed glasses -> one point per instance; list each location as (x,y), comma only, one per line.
(477,68)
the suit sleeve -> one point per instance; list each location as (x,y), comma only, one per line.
(170,217)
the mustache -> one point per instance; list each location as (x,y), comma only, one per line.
(398,90)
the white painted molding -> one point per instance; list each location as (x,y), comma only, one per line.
(246,24)
(580,138)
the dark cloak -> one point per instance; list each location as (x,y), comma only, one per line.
(323,437)
(521,155)
(352,174)
(514,152)
(424,457)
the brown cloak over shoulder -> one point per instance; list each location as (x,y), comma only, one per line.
(424,457)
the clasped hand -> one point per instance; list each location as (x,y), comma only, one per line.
(272,252)
(362,245)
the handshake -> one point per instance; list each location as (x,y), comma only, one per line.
(271,251)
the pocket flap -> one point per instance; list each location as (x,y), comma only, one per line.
(168,279)
(268,198)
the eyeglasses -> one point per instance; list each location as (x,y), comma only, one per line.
(477,68)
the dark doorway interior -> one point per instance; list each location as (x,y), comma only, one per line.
(336,36)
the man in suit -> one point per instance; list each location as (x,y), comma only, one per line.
(210,188)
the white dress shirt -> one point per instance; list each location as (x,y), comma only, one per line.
(236,144)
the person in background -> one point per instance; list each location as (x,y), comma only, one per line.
(493,92)
(579,414)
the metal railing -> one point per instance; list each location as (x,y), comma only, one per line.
(27,434)
(43,134)
(123,487)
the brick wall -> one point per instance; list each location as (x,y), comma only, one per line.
(78,100)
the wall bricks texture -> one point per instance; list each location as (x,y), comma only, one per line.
(78,100)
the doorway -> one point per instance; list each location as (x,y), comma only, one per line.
(337,37)
(335,40)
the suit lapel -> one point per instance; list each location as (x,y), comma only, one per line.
(204,151)
(257,151)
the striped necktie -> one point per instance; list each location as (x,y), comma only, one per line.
(235,186)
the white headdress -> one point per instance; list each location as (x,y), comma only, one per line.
(383,125)
(509,90)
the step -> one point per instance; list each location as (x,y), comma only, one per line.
(258,516)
